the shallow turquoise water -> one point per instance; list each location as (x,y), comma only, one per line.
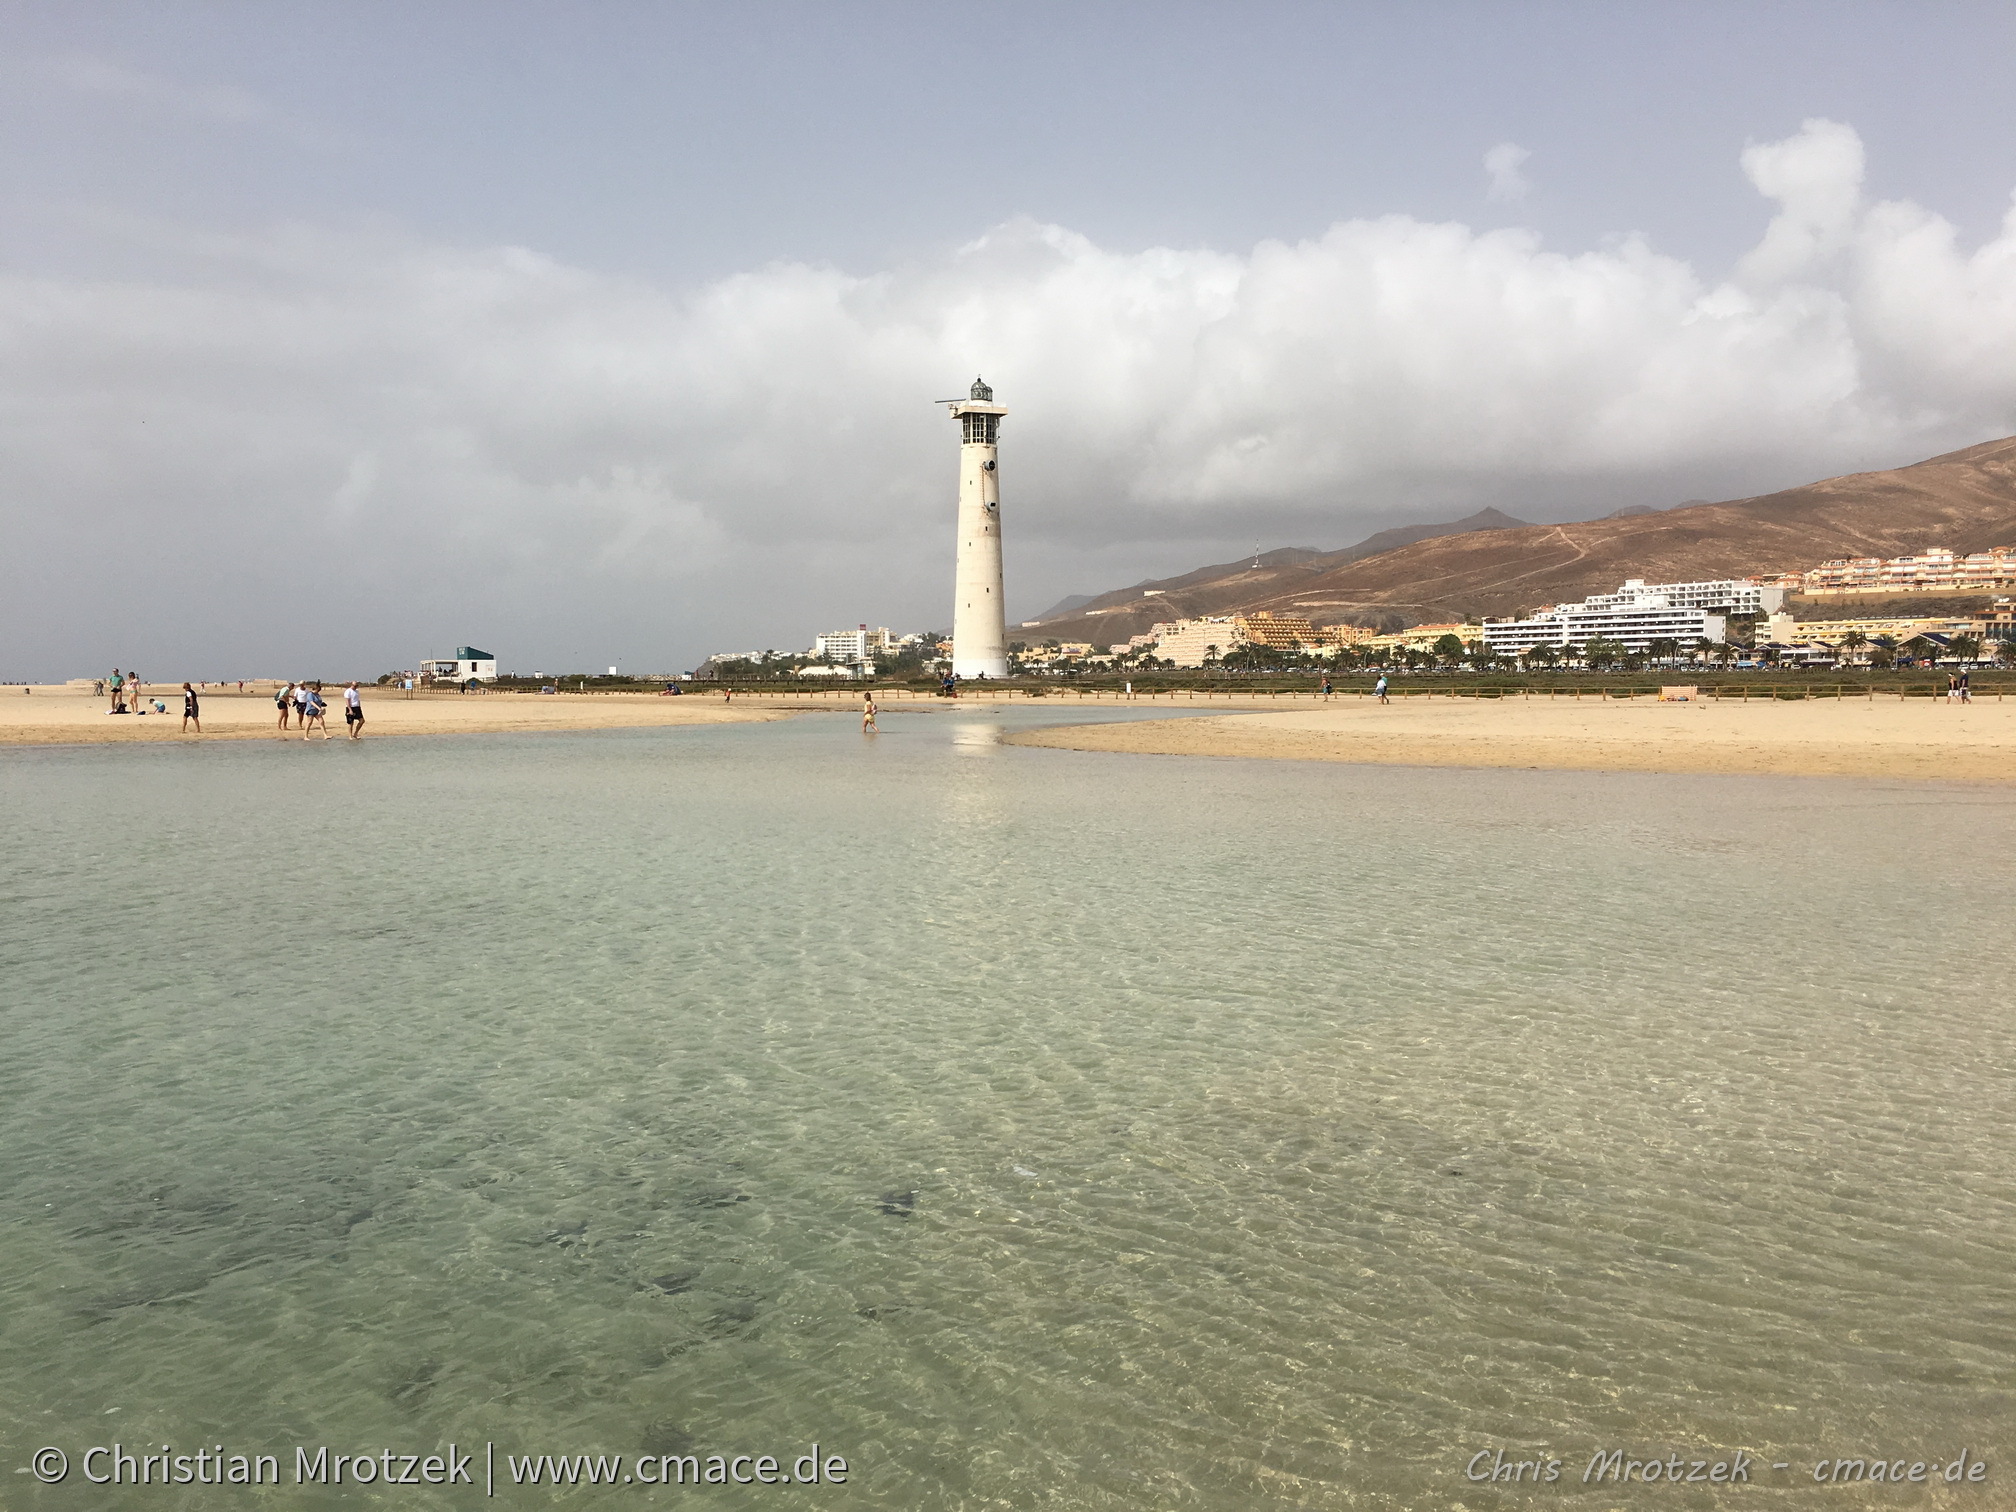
(1279,1134)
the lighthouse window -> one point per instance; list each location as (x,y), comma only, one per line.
(979,429)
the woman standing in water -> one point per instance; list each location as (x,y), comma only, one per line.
(313,711)
(868,714)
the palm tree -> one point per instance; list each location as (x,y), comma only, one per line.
(1599,652)
(1918,648)
(1853,642)
(1967,648)
(1665,648)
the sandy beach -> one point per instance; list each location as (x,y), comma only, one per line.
(65,716)
(1887,737)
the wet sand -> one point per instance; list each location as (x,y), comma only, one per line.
(1888,737)
(59,716)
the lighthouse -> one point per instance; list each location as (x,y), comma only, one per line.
(979,623)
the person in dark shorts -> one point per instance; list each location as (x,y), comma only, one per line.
(192,712)
(284,702)
(353,710)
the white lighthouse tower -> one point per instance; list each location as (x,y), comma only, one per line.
(979,622)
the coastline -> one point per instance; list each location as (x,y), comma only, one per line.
(1914,739)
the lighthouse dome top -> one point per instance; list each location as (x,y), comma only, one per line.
(981,392)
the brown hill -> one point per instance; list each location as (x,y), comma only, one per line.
(1965,500)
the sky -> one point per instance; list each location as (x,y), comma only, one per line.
(335,336)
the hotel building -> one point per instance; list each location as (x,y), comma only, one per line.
(854,648)
(1638,614)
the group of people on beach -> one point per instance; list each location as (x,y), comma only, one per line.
(303,702)
(125,690)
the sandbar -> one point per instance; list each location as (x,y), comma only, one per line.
(58,716)
(1916,738)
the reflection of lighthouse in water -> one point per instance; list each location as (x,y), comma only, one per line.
(979,624)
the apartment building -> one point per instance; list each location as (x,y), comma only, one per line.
(1924,571)
(1191,642)
(1419,637)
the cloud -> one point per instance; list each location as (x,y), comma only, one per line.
(1502,163)
(506,446)
(204,102)
(1816,177)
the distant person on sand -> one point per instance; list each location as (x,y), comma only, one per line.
(1326,689)
(313,712)
(117,685)
(353,710)
(868,715)
(301,699)
(192,713)
(284,702)
(1379,689)
(1966,692)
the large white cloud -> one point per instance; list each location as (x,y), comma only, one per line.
(487,435)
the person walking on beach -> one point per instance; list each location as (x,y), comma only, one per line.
(301,700)
(1379,689)
(284,702)
(313,712)
(1326,688)
(192,713)
(868,714)
(1966,692)
(353,710)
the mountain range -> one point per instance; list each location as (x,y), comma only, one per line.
(1493,564)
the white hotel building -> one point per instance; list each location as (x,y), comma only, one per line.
(1638,614)
(854,648)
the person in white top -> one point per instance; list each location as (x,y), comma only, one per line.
(353,710)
